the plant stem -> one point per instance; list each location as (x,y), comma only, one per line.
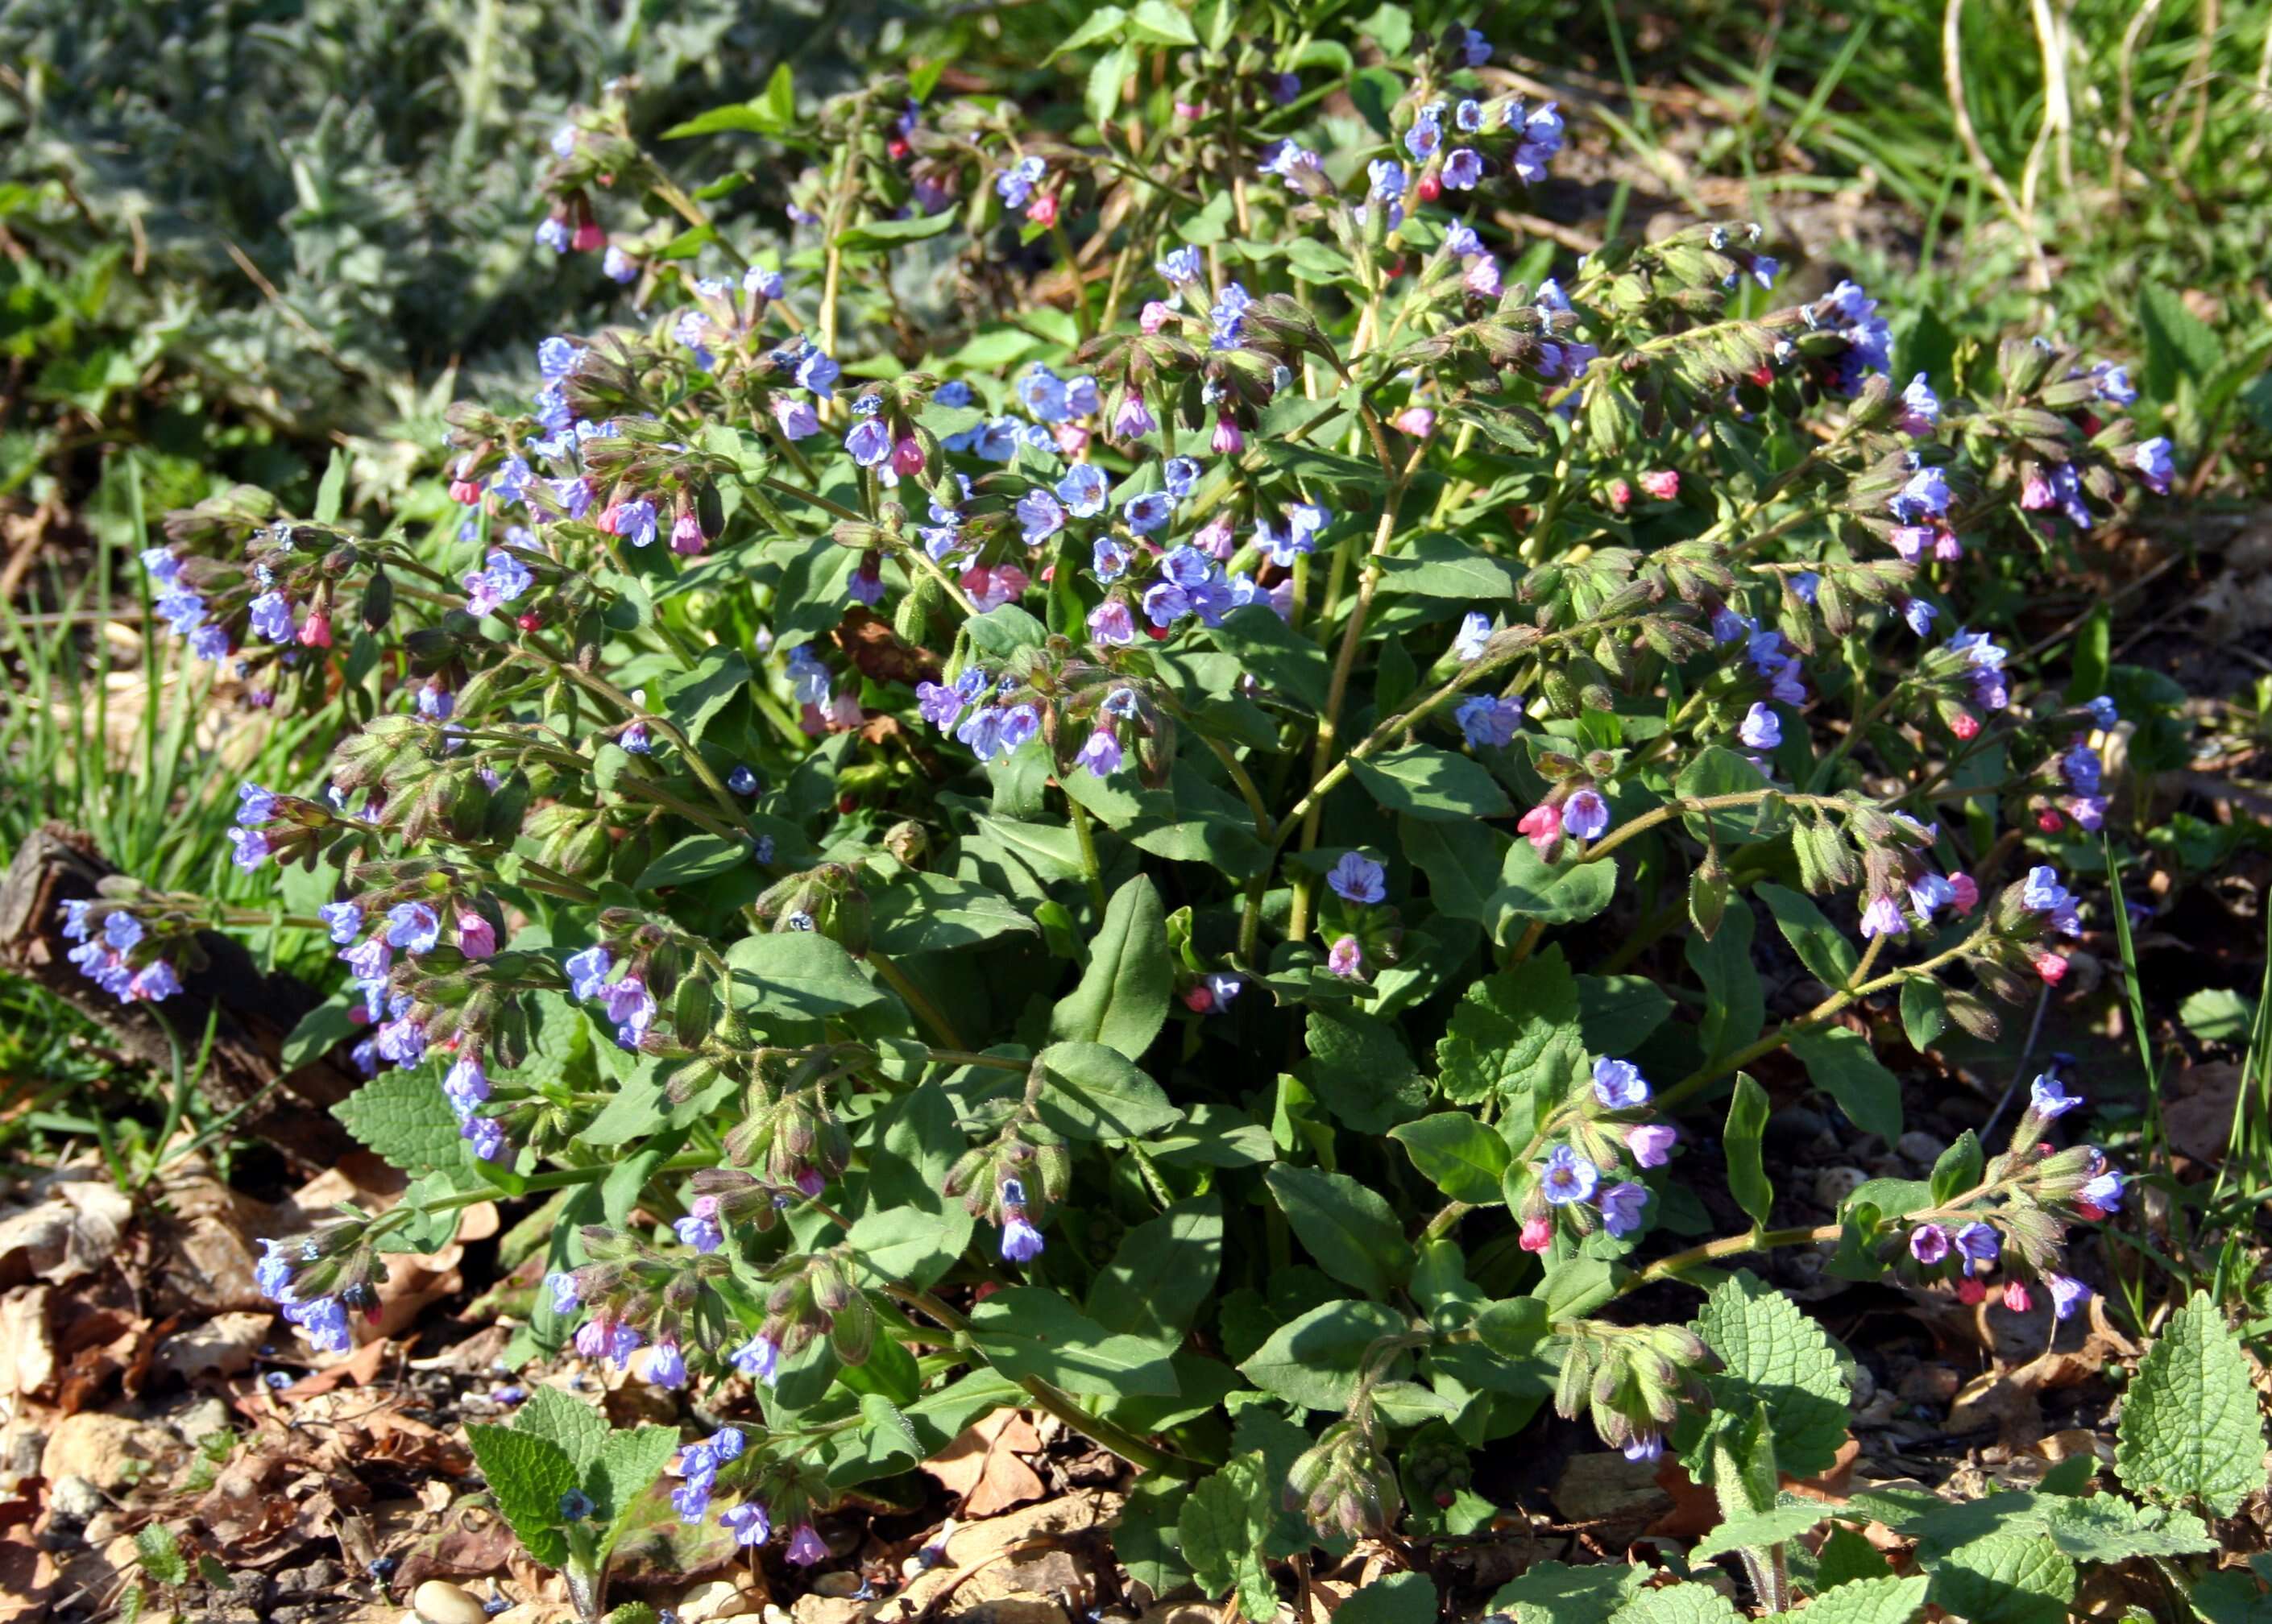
(925,1011)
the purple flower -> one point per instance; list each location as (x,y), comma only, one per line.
(1021,1242)
(1567,1176)
(272,1274)
(726,1443)
(1358,878)
(1488,722)
(806,1547)
(1979,1245)
(1101,754)
(1619,1084)
(466,1084)
(2068,1294)
(1622,1206)
(271,617)
(747,1523)
(1883,918)
(413,927)
(1111,623)
(760,1360)
(1761,728)
(635,521)
(486,1135)
(2104,714)
(154,982)
(1929,1244)
(1651,1143)
(1463,169)
(324,1322)
(870,442)
(1648,1446)
(1346,958)
(251,848)
(700,1231)
(631,1007)
(2154,463)
(1927,494)
(1474,633)
(1920,412)
(2048,1099)
(663,1364)
(2081,769)
(2103,1192)
(368,960)
(587,971)
(1586,815)
(1040,516)
(563,1284)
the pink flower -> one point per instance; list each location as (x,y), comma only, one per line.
(1072,438)
(1155,316)
(686,535)
(1215,538)
(992,586)
(1651,1143)
(907,458)
(1620,494)
(1228,441)
(1965,725)
(1965,893)
(1542,826)
(1661,483)
(1347,958)
(2051,967)
(1483,277)
(589,239)
(315,631)
(2035,491)
(1537,1232)
(476,936)
(1969,1290)
(2015,1296)
(1418,422)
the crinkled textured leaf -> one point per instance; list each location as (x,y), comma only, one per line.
(629,1462)
(1512,1032)
(1556,1593)
(2190,1424)
(530,1474)
(403,1116)
(1862,1601)
(2005,1579)
(1679,1604)
(1761,1529)
(1775,1355)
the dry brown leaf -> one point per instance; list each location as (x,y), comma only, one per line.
(70,1230)
(1017,1534)
(27,1348)
(360,1367)
(982,1468)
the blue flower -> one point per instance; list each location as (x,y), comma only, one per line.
(1883,918)
(324,1322)
(1180,267)
(413,927)
(575,1506)
(870,442)
(1427,131)
(1566,1176)
(2153,463)
(1487,721)
(1925,495)
(1040,516)
(2047,1098)
(1083,489)
(1101,754)
(1474,632)
(587,971)
(1358,878)
(1109,557)
(2102,712)
(701,1233)
(760,1360)
(664,1365)
(251,848)
(1619,1084)
(1042,393)
(1386,176)
(747,1523)
(1622,1207)
(1148,512)
(1021,1242)
(1463,169)
(1179,474)
(635,521)
(1979,1245)
(466,1085)
(1762,729)
(562,1283)
(1015,185)
(557,358)
(272,617)
(815,370)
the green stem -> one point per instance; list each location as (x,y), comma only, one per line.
(910,994)
(1089,869)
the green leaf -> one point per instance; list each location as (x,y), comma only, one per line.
(530,1475)
(159,1554)
(1122,1000)
(1925,1011)
(1575,1287)
(1351,1231)
(1289,663)
(2190,1425)
(1461,861)
(1533,891)
(629,1463)
(1679,1604)
(1030,1331)
(875,235)
(1957,1170)
(1315,1360)
(331,495)
(694,699)
(1556,1593)
(1156,22)
(403,1116)
(2233,1597)
(799,974)
(2179,343)
(1846,1556)
(1761,1529)
(1885,1600)
(580,1430)
(1358,1066)
(1093,1093)
(1617,1013)
(2005,1579)
(1103,24)
(2213,1016)
(1840,1064)
(1514,1033)
(317,1033)
(697,857)
(1773,1354)
(1220,1528)
(1390,28)
(1162,1274)
(1442,566)
(906,1246)
(923,913)
(1735,1003)
(1748,1175)
(1432,784)
(1821,946)
(1395,1599)
(1457,1154)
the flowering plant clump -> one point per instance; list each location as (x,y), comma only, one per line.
(1070,833)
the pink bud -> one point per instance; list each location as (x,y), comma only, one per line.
(1418,422)
(1216,539)
(1228,441)
(589,239)
(1965,725)
(466,492)
(1661,483)
(686,535)
(1042,210)
(1429,187)
(1191,109)
(2051,967)
(1969,1290)
(607,520)
(1542,826)
(1154,315)
(476,936)
(1537,1233)
(2015,1296)
(1620,494)
(1966,893)
(2036,493)
(1198,1000)
(2090,1212)
(907,458)
(315,631)
(1072,438)
(2049,821)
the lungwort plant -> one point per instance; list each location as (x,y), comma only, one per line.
(1037,787)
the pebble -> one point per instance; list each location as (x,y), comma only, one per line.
(1919,1147)
(1833,1185)
(714,1598)
(75,1499)
(438,1601)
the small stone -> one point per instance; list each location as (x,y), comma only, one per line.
(438,1601)
(1834,1185)
(1920,1147)
(194,1423)
(714,1598)
(74,1499)
(1605,1486)
(110,1451)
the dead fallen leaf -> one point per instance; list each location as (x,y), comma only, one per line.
(360,1367)
(71,1229)
(27,1348)
(982,1468)
(1018,1534)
